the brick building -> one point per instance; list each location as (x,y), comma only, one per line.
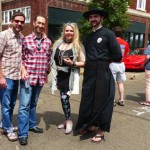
(138,34)
(56,11)
(60,11)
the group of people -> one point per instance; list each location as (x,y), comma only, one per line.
(30,59)
(26,58)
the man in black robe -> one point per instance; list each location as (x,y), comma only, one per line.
(98,88)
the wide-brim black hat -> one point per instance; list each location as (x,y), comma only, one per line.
(95,11)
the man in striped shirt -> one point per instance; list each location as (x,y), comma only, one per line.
(10,70)
(35,69)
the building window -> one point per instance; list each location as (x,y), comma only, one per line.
(28,12)
(6,15)
(3,17)
(136,40)
(141,4)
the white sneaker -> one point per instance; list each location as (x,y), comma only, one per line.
(62,126)
(121,102)
(15,129)
(69,126)
(114,102)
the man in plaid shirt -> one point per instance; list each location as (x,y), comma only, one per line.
(10,71)
(35,69)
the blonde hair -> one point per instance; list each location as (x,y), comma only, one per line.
(76,39)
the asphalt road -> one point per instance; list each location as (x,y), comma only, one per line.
(130,128)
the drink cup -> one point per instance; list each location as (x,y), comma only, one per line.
(27,83)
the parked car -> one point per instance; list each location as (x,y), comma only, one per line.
(136,60)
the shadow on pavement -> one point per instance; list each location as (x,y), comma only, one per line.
(56,118)
(137,98)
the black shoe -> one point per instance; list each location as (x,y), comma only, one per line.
(23,140)
(36,130)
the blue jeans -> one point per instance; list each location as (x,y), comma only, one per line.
(27,108)
(8,98)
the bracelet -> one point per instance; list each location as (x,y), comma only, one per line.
(74,64)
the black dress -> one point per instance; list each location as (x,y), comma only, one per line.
(98,89)
(63,77)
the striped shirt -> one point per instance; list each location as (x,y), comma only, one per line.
(36,57)
(10,53)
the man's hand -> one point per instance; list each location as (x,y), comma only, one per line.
(24,74)
(3,83)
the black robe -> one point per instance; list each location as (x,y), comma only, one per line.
(98,89)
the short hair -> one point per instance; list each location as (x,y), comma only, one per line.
(39,15)
(118,31)
(18,13)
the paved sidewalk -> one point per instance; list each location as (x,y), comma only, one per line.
(129,129)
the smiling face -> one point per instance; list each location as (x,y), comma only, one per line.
(68,33)
(95,20)
(17,24)
(39,25)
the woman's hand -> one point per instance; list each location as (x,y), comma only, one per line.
(68,61)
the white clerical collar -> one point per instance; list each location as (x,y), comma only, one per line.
(94,30)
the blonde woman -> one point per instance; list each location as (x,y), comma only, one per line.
(68,56)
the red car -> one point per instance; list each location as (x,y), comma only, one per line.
(136,60)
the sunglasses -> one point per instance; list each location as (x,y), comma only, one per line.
(39,47)
(17,21)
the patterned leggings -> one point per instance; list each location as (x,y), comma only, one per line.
(65,104)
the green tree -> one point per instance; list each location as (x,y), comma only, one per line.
(116,10)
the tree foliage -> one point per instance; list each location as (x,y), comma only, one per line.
(116,10)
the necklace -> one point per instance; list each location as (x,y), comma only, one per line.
(62,49)
(67,41)
(61,56)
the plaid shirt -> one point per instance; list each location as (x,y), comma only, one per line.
(10,53)
(36,57)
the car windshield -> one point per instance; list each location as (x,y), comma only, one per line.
(137,52)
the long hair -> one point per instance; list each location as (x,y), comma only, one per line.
(76,39)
